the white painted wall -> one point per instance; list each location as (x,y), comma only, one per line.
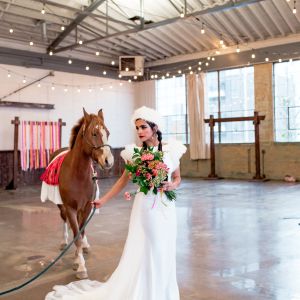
(118,102)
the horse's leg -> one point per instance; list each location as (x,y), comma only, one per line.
(85,244)
(65,226)
(81,271)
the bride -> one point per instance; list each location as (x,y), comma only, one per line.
(147,268)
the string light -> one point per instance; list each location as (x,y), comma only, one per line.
(52,87)
(80,42)
(200,63)
(43,10)
(191,72)
(113,62)
(62,28)
(121,83)
(50,52)
(135,77)
(202,29)
(213,59)
(190,68)
(104,72)
(179,71)
(87,68)
(290,60)
(126,69)
(294,9)
(120,76)
(90,90)
(199,68)
(78,90)
(39,85)
(253,55)
(65,89)
(167,74)
(24,80)
(182,13)
(129,80)
(31,43)
(11,31)
(238,50)
(163,77)
(8,74)
(267,59)
(70,61)
(280,60)
(97,53)
(221,40)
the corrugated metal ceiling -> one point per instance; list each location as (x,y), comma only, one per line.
(115,28)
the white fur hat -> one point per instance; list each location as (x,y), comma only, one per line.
(147,114)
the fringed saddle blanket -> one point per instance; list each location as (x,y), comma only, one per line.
(51,174)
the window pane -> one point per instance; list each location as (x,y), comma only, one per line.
(231,96)
(287,101)
(171,104)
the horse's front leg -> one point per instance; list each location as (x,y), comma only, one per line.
(79,262)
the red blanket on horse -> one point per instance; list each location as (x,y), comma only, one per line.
(51,174)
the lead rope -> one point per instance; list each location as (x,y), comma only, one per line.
(62,253)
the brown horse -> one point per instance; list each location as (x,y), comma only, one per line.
(88,143)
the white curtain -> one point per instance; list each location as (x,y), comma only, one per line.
(199,149)
(145,94)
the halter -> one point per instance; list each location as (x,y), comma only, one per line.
(90,144)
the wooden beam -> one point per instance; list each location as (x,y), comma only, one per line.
(26,105)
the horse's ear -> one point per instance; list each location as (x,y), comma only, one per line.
(100,114)
(86,115)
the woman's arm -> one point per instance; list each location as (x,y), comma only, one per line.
(116,189)
(174,183)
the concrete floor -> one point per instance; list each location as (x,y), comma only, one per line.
(236,240)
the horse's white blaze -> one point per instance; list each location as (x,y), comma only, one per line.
(107,155)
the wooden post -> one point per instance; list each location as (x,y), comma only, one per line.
(256,123)
(60,124)
(212,148)
(14,182)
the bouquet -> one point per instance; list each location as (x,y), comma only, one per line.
(149,171)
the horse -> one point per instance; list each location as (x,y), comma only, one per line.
(88,143)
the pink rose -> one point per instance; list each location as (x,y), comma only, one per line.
(127,196)
(148,176)
(148,156)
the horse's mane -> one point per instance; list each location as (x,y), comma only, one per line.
(74,132)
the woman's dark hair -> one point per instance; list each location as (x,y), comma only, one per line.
(159,135)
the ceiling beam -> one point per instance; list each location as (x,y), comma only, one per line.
(74,24)
(281,41)
(228,6)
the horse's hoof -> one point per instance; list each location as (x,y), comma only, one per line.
(63,246)
(86,250)
(82,275)
(75,266)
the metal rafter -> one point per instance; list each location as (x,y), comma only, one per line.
(228,6)
(74,24)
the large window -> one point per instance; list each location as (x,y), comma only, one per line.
(171,104)
(287,101)
(230,93)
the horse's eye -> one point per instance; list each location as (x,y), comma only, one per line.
(94,134)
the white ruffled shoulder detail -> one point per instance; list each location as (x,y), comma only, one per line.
(176,149)
(127,153)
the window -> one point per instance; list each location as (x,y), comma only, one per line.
(287,101)
(230,93)
(171,104)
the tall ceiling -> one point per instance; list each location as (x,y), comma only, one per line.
(163,31)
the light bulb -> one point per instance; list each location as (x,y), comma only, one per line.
(50,53)
(8,75)
(80,42)
(113,62)
(97,53)
(253,55)
(120,76)
(31,43)
(70,61)
(11,30)
(62,28)
(87,68)
(104,72)
(279,60)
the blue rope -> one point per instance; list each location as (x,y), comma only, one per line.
(53,262)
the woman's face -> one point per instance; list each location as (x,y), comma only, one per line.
(143,129)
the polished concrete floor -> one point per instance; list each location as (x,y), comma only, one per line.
(236,240)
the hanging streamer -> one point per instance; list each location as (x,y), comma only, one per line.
(38,141)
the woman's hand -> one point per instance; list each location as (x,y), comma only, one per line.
(98,203)
(168,186)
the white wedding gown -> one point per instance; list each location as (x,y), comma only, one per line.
(147,268)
